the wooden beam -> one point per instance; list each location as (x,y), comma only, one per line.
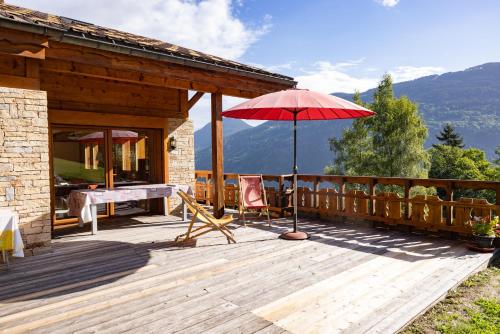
(192,101)
(66,58)
(32,68)
(23,44)
(217,156)
(153,78)
(14,81)
(183,103)
(85,118)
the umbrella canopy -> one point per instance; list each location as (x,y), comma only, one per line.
(117,134)
(296,105)
(308,105)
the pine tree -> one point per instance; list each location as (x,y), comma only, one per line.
(449,137)
(497,152)
(388,144)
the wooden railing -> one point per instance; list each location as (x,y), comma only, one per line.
(389,200)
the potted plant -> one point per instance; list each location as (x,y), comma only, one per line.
(496,242)
(483,231)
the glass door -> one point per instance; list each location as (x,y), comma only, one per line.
(132,151)
(91,158)
(78,163)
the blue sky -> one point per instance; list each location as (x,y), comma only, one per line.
(327,45)
(451,34)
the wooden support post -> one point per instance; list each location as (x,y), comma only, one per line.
(217,156)
(109,166)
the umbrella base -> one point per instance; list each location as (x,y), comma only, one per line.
(294,235)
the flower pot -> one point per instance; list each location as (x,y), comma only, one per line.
(484,241)
(496,242)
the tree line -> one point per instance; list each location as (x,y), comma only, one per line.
(392,144)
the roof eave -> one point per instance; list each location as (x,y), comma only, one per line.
(62,36)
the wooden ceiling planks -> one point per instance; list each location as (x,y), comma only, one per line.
(65,91)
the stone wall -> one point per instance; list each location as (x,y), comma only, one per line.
(181,159)
(24,163)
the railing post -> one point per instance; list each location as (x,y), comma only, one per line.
(315,193)
(371,192)
(407,212)
(342,194)
(280,195)
(449,208)
(497,202)
(209,189)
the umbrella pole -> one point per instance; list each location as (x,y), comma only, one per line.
(295,234)
(295,171)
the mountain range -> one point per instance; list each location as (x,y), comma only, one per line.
(469,100)
(203,136)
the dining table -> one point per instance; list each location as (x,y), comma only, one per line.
(11,241)
(83,202)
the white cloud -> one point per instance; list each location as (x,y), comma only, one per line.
(276,67)
(208,25)
(388,3)
(279,67)
(406,73)
(326,77)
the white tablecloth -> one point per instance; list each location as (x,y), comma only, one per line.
(80,200)
(10,236)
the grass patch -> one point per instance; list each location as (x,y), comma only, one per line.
(472,308)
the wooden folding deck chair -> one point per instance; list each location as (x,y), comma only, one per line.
(252,196)
(208,221)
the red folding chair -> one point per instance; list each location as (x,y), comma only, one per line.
(252,196)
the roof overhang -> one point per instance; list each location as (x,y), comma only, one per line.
(95,42)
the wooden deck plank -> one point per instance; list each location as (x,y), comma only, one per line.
(206,285)
(422,298)
(131,277)
(336,309)
(80,277)
(119,294)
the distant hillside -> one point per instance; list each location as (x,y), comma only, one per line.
(203,136)
(469,99)
(267,148)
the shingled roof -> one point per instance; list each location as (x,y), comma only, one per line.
(91,32)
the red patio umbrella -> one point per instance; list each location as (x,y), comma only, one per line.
(296,105)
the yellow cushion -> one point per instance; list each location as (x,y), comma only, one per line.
(7,240)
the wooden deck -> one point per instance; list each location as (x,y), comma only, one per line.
(132,278)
